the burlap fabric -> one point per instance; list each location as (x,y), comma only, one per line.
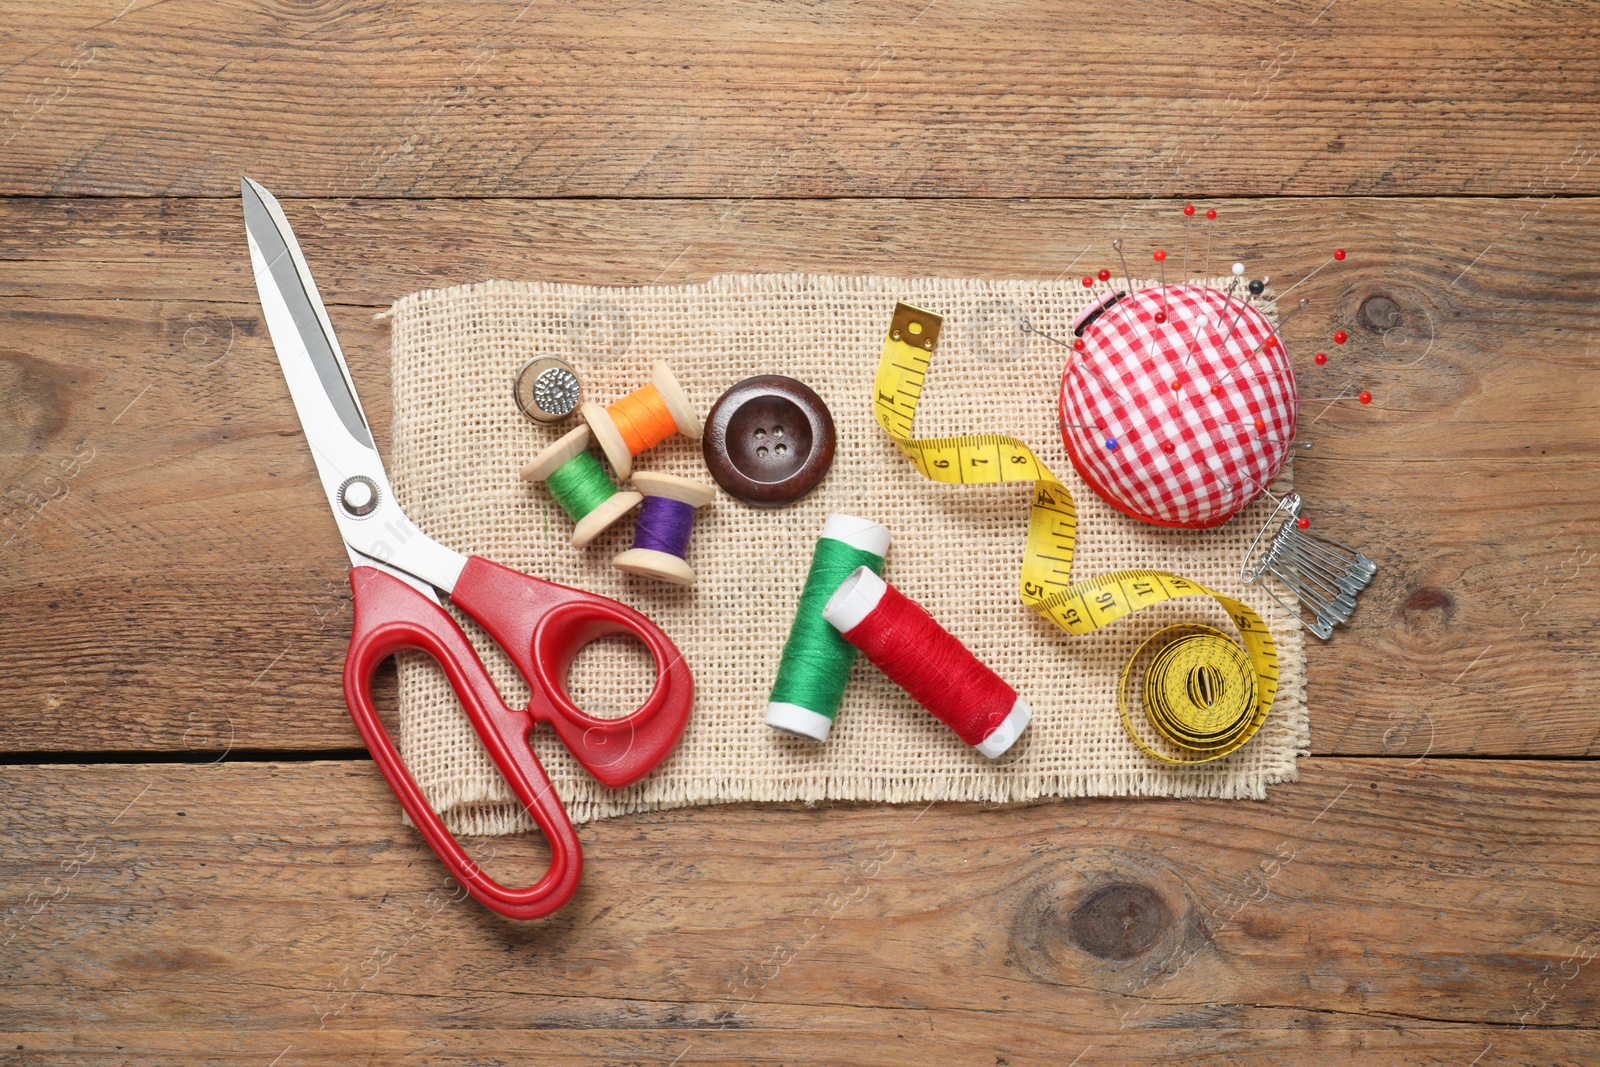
(459,443)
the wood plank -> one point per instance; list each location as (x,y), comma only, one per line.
(1375,912)
(721,98)
(185,587)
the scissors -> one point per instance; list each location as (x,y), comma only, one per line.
(396,574)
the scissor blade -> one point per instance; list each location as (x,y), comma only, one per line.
(290,280)
(325,399)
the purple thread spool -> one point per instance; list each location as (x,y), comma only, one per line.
(664,525)
(666,520)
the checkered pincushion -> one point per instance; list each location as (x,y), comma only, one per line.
(1180,406)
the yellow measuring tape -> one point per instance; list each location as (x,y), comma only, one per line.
(1204,694)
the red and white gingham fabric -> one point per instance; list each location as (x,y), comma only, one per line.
(1187,457)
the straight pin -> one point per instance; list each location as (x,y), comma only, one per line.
(1258,425)
(1128,278)
(1227,302)
(1363,396)
(1160,257)
(1104,382)
(1276,334)
(1200,323)
(1188,213)
(1031,328)
(1237,488)
(1338,256)
(1233,326)
(1211,215)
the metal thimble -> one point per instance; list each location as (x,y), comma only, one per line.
(547,389)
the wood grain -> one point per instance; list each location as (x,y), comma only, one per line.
(772,99)
(171,584)
(1375,912)
(184,590)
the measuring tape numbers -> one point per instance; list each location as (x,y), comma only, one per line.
(1204,694)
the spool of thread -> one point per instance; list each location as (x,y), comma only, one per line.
(642,419)
(580,485)
(666,521)
(926,660)
(816,661)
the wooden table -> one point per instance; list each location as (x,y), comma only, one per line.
(200,865)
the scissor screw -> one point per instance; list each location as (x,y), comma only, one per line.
(359,496)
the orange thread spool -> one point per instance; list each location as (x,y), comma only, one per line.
(643,419)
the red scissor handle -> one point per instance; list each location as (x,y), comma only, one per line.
(390,616)
(542,627)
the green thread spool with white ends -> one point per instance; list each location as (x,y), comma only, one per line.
(816,661)
(579,484)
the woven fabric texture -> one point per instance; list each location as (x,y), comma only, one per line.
(459,443)
(1228,376)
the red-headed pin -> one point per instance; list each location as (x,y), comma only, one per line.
(1337,257)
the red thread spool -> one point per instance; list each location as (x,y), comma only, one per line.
(923,658)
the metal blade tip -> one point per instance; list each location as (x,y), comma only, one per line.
(250,189)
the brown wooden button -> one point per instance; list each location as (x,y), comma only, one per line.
(769,440)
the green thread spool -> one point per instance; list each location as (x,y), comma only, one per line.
(580,485)
(816,661)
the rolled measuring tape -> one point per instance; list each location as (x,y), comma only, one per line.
(906,643)
(1046,587)
(1199,693)
(816,661)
